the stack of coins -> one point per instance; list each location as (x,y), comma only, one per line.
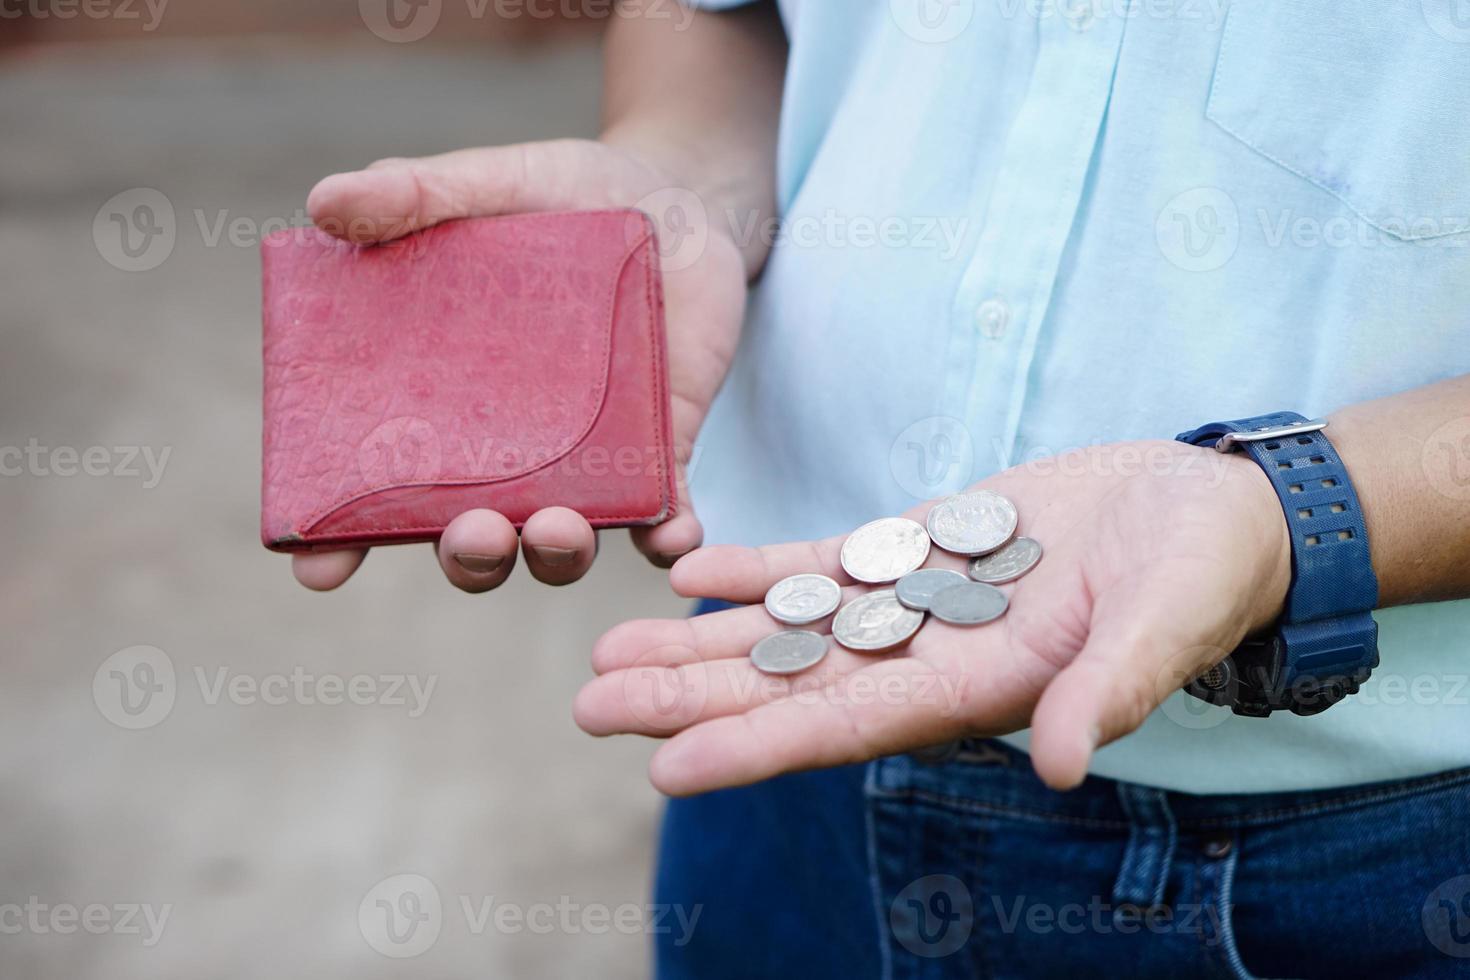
(978,524)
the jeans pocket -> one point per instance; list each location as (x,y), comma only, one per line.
(1366,100)
(925,865)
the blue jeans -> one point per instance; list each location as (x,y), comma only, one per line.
(961,863)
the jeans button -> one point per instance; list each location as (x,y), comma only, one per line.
(1218,847)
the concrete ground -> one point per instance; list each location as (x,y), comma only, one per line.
(260,829)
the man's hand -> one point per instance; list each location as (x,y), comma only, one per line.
(704,304)
(1159,558)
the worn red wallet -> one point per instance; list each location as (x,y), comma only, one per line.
(512,363)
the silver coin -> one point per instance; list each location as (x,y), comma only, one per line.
(916,588)
(788,652)
(1007,564)
(968,604)
(800,599)
(875,622)
(972,523)
(885,550)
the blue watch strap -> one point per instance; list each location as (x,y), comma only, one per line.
(1326,641)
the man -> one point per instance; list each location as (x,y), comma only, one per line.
(1030,243)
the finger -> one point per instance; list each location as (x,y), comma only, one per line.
(666,543)
(712,636)
(559,545)
(322,571)
(887,707)
(671,642)
(659,701)
(394,197)
(477,550)
(1137,635)
(740,574)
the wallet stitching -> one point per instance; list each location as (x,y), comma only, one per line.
(654,291)
(647,243)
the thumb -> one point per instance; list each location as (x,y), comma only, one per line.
(664,544)
(397,196)
(1145,641)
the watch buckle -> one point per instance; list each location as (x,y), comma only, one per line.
(1230,440)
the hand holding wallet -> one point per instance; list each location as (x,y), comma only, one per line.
(511,363)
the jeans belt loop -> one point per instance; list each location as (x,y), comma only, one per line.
(1152,836)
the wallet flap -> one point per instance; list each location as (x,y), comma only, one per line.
(424,361)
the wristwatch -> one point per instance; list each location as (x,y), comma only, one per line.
(1326,643)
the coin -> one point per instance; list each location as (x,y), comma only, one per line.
(884,550)
(972,523)
(788,652)
(800,599)
(1007,564)
(875,622)
(916,588)
(968,604)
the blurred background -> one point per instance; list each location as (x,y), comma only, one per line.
(205,770)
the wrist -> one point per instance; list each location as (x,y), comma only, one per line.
(1354,436)
(1268,542)
(737,209)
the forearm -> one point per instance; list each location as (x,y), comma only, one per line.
(697,95)
(1409,456)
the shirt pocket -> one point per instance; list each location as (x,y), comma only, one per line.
(1367,99)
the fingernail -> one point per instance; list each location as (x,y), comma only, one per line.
(555,556)
(664,559)
(480,564)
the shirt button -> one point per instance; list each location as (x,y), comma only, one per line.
(992,317)
(1218,848)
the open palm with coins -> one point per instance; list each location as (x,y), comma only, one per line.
(1092,638)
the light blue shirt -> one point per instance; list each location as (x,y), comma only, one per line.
(1013,227)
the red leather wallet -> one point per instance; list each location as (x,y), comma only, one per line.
(513,363)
